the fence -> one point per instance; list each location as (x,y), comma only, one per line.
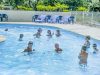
(84,18)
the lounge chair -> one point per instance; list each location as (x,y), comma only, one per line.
(48,18)
(65,20)
(54,19)
(0,17)
(4,17)
(41,18)
(34,18)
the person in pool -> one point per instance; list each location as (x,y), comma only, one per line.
(95,49)
(6,29)
(49,33)
(58,34)
(38,34)
(83,57)
(29,47)
(57,48)
(21,37)
(87,42)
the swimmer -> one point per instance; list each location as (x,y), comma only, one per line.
(49,33)
(21,37)
(6,29)
(29,47)
(87,37)
(83,57)
(95,49)
(57,49)
(87,42)
(38,34)
(58,33)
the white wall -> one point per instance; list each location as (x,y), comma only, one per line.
(26,16)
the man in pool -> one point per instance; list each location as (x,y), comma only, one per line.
(83,57)
(58,34)
(57,48)
(50,34)
(87,42)
(21,37)
(95,49)
(29,47)
(38,34)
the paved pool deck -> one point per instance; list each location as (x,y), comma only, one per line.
(94,32)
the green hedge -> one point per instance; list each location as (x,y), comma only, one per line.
(82,9)
(24,8)
(57,7)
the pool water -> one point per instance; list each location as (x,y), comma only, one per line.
(44,61)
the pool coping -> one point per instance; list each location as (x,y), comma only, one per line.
(76,28)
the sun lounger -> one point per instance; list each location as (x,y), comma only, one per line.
(41,18)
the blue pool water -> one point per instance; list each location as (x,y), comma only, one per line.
(44,61)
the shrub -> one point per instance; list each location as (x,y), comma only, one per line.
(24,8)
(82,9)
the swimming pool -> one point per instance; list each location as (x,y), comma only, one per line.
(44,61)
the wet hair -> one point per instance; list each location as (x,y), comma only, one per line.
(88,37)
(30,42)
(84,48)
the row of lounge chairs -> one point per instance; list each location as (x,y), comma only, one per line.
(3,17)
(53,19)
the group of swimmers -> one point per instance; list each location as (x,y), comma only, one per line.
(39,33)
(84,54)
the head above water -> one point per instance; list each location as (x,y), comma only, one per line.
(84,48)
(94,45)
(30,42)
(56,45)
(87,37)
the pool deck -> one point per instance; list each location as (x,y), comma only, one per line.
(77,28)
(2,38)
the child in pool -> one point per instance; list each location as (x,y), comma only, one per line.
(49,33)
(58,34)
(95,49)
(57,49)
(29,47)
(38,34)
(87,42)
(21,37)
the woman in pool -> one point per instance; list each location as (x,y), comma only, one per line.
(95,49)
(21,37)
(49,33)
(58,34)
(29,47)
(57,48)
(38,34)
(83,57)
(87,42)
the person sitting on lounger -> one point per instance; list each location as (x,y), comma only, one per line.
(57,49)
(83,57)
(29,47)
(58,33)
(38,34)
(95,49)
(21,37)
(49,33)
